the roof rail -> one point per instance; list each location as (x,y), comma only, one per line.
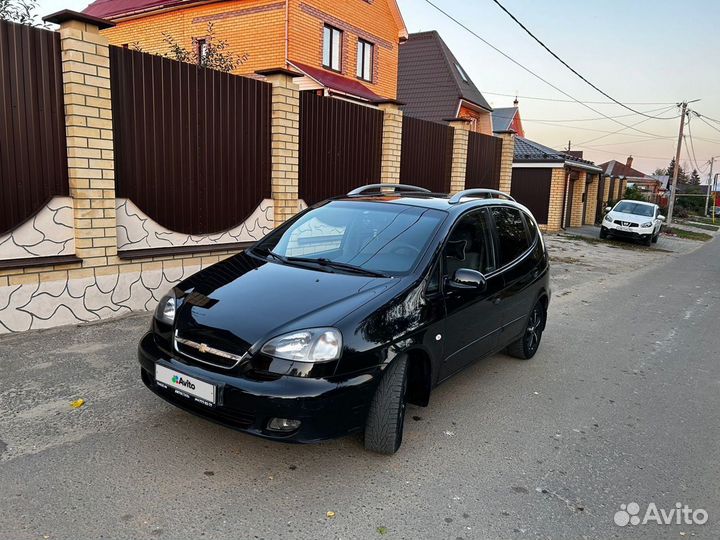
(378,189)
(488,193)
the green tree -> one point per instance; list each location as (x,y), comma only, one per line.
(20,11)
(682,177)
(694,178)
(207,52)
(660,172)
(633,193)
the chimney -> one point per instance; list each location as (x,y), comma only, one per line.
(629,161)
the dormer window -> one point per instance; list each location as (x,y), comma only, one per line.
(462,73)
(332,48)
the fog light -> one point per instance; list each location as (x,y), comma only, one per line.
(283,424)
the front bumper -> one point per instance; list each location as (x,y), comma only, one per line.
(635,233)
(326,408)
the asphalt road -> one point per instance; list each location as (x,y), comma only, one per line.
(620,405)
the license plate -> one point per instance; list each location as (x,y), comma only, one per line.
(185,385)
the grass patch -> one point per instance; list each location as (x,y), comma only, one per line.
(688,235)
(703,226)
(704,219)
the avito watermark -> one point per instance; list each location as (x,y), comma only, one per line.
(681,514)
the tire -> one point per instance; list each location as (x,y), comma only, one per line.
(386,418)
(526,347)
(648,240)
(603,233)
(655,238)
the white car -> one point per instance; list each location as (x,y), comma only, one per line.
(638,220)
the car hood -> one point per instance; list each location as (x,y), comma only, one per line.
(242,300)
(634,218)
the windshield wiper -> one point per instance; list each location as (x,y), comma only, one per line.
(265,252)
(338,265)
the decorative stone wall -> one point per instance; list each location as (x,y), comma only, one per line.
(391,143)
(135,230)
(49,233)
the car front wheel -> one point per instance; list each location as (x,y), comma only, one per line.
(386,418)
(526,347)
(603,233)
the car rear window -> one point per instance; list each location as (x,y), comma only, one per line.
(511,233)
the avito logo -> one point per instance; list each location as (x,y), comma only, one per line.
(183,382)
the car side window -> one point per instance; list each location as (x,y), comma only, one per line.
(532,229)
(469,245)
(512,236)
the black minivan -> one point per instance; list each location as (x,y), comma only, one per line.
(348,311)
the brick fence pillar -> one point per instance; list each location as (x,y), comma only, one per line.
(592,196)
(557,196)
(285,133)
(88,120)
(576,218)
(606,192)
(508,152)
(391,143)
(461,134)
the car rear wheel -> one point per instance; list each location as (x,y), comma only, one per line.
(386,418)
(526,347)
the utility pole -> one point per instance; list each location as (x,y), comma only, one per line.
(709,186)
(673,181)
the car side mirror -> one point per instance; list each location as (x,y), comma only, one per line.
(661,217)
(467,279)
(608,209)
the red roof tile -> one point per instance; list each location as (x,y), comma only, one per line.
(112,9)
(338,83)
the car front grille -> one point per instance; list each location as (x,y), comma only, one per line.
(205,353)
(625,223)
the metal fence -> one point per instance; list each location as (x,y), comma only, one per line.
(33,155)
(531,187)
(426,158)
(483,161)
(192,144)
(340,146)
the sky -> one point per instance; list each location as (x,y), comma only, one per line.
(648,54)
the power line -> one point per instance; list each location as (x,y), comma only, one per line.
(456,21)
(621,130)
(576,101)
(564,63)
(707,123)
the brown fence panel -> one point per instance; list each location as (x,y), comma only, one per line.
(483,161)
(192,145)
(33,156)
(427,149)
(531,187)
(340,146)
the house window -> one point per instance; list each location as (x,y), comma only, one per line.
(365,60)
(332,48)
(462,73)
(202,49)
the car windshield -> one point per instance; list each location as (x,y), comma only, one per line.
(375,237)
(638,209)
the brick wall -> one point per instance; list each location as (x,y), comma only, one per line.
(576,218)
(255,31)
(459,155)
(592,195)
(557,196)
(508,151)
(391,143)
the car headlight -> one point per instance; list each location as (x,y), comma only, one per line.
(648,224)
(608,218)
(312,345)
(166,308)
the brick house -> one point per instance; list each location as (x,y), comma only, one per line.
(508,119)
(559,188)
(343,48)
(432,85)
(617,176)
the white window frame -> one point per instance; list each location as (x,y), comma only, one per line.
(332,48)
(365,60)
